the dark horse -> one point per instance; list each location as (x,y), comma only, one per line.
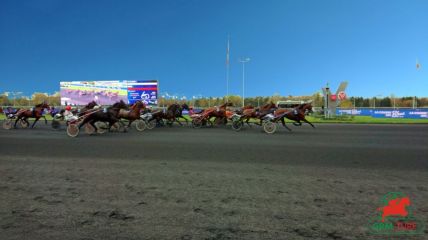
(172,114)
(36,113)
(249,112)
(88,106)
(297,115)
(111,115)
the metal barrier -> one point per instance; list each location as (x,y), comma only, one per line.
(416,113)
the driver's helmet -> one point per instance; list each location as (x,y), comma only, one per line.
(68,108)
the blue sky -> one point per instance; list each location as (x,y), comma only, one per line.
(295,46)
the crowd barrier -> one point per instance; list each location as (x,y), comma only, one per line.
(416,113)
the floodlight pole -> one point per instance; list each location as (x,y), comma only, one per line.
(243,60)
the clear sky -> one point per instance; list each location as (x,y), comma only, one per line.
(295,46)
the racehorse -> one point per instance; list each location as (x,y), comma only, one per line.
(134,113)
(172,114)
(218,112)
(249,112)
(297,114)
(111,115)
(36,113)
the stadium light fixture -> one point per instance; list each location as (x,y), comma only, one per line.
(243,60)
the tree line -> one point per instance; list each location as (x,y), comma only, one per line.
(316,99)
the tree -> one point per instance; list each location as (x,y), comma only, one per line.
(346,103)
(4,100)
(38,98)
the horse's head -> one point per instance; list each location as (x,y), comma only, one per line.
(184,106)
(271,105)
(268,106)
(42,106)
(91,105)
(120,105)
(227,104)
(405,201)
(138,105)
(307,108)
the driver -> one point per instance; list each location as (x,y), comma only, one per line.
(68,115)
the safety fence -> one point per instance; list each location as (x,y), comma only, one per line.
(416,113)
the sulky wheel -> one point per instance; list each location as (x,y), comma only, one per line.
(72,130)
(140,125)
(169,123)
(118,127)
(237,125)
(7,124)
(101,127)
(150,124)
(89,129)
(208,123)
(269,127)
(23,123)
(56,124)
(196,123)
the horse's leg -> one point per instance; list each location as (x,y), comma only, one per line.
(26,120)
(16,121)
(46,121)
(298,122)
(247,121)
(92,123)
(306,121)
(111,122)
(35,121)
(283,124)
(185,119)
(177,120)
(85,120)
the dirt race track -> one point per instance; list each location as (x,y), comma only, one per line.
(184,183)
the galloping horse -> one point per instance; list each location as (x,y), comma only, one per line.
(249,112)
(111,115)
(172,113)
(218,112)
(132,114)
(297,114)
(36,113)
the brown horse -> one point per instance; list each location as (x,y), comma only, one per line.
(258,113)
(134,113)
(218,112)
(36,113)
(297,114)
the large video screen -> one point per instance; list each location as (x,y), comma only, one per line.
(143,90)
(109,92)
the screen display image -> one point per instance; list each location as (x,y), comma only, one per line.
(102,92)
(108,92)
(145,91)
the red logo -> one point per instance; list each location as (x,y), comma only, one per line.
(396,217)
(395,208)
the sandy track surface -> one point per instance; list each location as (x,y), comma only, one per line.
(183,183)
